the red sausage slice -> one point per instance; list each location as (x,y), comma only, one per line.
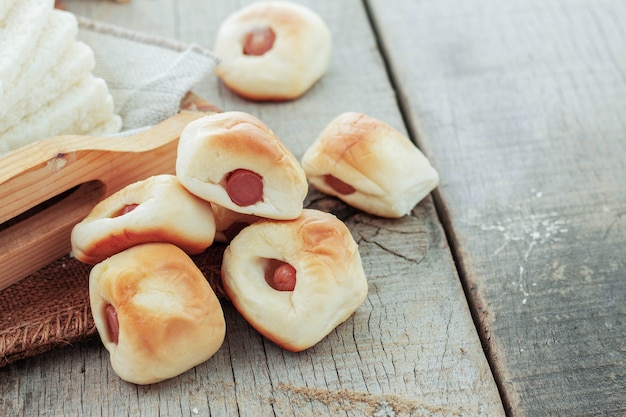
(126,209)
(113,323)
(281,276)
(284,278)
(338,185)
(244,187)
(258,41)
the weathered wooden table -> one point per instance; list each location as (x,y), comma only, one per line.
(504,293)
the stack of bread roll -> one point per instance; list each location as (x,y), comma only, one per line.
(47,87)
(155,312)
(293,273)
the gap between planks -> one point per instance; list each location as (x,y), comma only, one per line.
(442,215)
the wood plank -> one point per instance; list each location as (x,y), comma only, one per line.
(100,166)
(520,105)
(411,349)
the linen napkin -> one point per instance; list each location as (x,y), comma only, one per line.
(147,76)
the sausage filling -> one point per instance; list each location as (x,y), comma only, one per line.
(112,322)
(258,41)
(280,275)
(338,185)
(126,209)
(244,187)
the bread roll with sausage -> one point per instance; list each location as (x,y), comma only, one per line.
(272,50)
(155,312)
(369,165)
(295,281)
(234,160)
(157,209)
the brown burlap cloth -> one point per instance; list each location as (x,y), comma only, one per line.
(147,76)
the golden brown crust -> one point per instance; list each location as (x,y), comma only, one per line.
(330,281)
(169,317)
(246,136)
(388,172)
(353,139)
(167,212)
(213,146)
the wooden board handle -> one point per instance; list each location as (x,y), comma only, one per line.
(69,175)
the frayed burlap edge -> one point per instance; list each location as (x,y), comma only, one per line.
(50,308)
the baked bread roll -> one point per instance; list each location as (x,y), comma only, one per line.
(155,312)
(295,281)
(157,209)
(369,165)
(272,50)
(234,160)
(229,223)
